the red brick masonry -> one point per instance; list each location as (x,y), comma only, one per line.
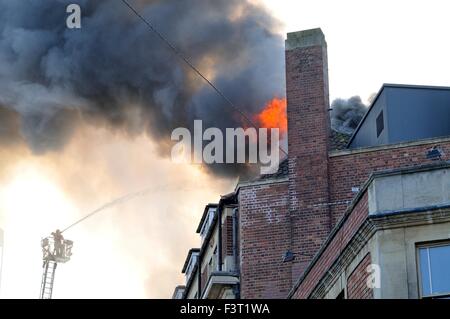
(264,237)
(357,282)
(333,249)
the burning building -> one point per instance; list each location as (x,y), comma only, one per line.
(360,216)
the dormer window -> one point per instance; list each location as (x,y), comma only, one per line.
(207,223)
(190,267)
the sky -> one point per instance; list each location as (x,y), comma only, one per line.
(375,42)
(137,249)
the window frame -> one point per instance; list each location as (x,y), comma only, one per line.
(191,264)
(379,123)
(429,245)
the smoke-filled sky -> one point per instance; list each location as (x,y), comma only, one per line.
(85,117)
(114,72)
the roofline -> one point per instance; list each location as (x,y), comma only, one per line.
(391,85)
(225,198)
(276,180)
(259,180)
(186,262)
(416,86)
(205,212)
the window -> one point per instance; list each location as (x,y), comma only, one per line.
(207,223)
(191,265)
(380,123)
(434,270)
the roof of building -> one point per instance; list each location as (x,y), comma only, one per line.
(390,85)
(186,262)
(229,198)
(338,140)
(283,170)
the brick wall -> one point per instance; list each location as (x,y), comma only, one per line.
(264,232)
(357,282)
(334,248)
(309,130)
(355,168)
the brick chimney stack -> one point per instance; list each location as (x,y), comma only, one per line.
(309,130)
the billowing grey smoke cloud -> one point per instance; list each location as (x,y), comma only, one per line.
(346,114)
(114,72)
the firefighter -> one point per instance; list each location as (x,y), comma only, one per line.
(59,243)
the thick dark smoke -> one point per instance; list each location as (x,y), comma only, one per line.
(346,114)
(114,72)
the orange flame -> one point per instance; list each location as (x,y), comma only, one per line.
(274,115)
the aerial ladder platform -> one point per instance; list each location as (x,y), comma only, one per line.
(55,249)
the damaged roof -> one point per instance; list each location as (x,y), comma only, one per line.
(283,170)
(338,140)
